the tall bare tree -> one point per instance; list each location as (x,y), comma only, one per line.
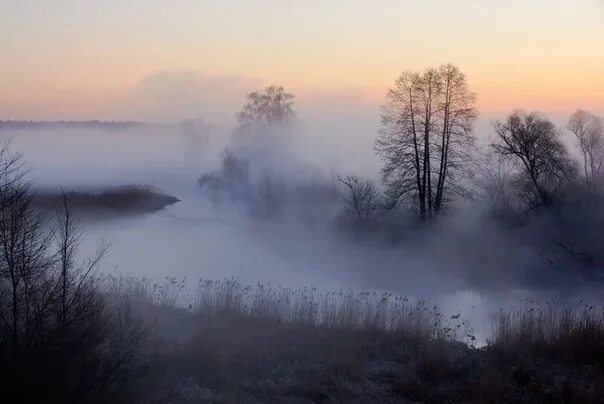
(23,252)
(425,137)
(589,131)
(457,115)
(542,160)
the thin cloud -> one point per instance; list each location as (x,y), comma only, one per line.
(183,94)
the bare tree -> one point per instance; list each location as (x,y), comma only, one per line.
(589,131)
(56,326)
(542,160)
(75,279)
(457,115)
(426,136)
(273,106)
(23,252)
(495,183)
(360,197)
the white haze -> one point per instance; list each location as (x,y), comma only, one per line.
(467,266)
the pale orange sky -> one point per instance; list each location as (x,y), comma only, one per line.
(169,60)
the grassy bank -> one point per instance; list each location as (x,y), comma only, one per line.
(122,200)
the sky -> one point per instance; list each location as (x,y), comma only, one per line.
(178,59)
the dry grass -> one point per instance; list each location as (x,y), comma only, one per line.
(224,341)
(575,335)
(263,344)
(311,307)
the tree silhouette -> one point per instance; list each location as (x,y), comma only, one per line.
(425,137)
(542,160)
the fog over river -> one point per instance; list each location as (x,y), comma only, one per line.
(195,239)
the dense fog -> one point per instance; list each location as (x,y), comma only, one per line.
(466,262)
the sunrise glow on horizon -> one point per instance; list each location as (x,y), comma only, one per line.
(138,59)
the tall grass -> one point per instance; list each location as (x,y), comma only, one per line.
(574,334)
(232,340)
(308,306)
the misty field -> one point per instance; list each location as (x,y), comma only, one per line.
(316,247)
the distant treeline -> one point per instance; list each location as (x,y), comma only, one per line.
(95,124)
